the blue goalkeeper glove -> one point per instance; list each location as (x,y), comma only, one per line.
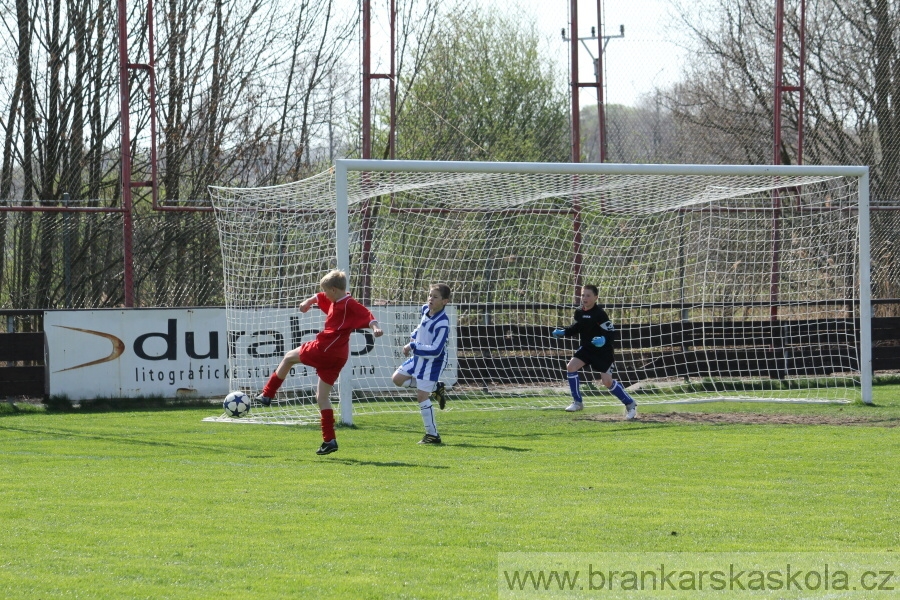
(558,333)
(598,341)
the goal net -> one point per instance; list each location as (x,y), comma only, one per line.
(724,283)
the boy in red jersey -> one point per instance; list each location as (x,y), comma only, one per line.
(328,353)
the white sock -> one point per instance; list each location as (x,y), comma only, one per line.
(428,417)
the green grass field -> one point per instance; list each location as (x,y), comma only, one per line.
(159,504)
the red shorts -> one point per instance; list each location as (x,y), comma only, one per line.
(328,365)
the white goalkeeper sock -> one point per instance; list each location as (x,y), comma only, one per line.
(428,417)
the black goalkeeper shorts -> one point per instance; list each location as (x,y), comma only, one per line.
(603,362)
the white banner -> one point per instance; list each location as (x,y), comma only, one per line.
(138,352)
(172,353)
(260,338)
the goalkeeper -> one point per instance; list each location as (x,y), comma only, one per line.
(597,335)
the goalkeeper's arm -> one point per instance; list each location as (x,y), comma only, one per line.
(608,331)
(561,332)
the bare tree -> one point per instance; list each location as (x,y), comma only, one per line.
(852,113)
(725,99)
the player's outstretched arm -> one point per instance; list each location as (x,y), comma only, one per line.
(307,304)
(561,332)
(376,330)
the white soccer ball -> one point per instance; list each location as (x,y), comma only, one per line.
(236,404)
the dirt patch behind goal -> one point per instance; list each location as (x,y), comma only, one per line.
(699,418)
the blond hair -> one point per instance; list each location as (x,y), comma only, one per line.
(335,279)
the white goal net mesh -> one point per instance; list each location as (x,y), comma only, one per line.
(720,286)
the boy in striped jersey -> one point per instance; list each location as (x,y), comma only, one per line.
(428,347)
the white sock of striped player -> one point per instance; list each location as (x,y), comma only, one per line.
(428,417)
(575,387)
(619,392)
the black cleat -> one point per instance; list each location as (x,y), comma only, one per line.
(440,392)
(264,400)
(431,439)
(327,447)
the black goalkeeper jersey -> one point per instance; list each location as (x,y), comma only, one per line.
(591,323)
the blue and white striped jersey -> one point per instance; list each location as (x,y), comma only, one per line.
(429,345)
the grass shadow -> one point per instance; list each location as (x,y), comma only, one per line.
(490,446)
(374,463)
(61,404)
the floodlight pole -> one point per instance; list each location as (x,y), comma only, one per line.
(366,150)
(365,276)
(780,89)
(125,69)
(578,258)
(125,150)
(368,76)
(573,73)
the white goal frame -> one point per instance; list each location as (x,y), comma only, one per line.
(344,166)
(726,282)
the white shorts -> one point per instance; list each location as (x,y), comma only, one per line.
(421,384)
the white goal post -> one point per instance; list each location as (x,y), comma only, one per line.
(725,282)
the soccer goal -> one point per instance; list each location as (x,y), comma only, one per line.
(746,283)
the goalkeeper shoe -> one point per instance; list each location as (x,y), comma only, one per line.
(327,447)
(440,392)
(574,407)
(264,400)
(431,439)
(631,411)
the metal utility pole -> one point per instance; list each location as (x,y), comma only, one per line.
(602,41)
(125,69)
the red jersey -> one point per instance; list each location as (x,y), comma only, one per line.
(342,317)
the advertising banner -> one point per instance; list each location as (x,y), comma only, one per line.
(188,352)
(137,352)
